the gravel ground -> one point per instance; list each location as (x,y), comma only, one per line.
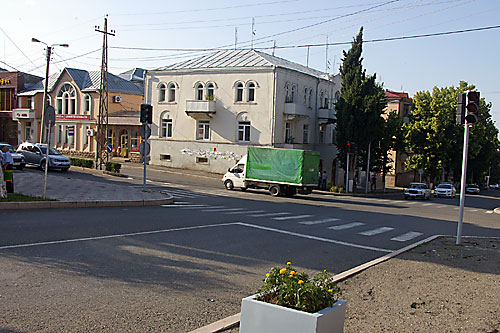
(436,287)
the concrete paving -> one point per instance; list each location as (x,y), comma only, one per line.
(68,191)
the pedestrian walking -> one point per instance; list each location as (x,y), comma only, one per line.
(323,180)
(319,180)
(374,183)
(7,162)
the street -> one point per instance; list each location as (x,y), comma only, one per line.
(198,257)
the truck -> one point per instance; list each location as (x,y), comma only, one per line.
(280,171)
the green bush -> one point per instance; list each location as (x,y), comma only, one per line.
(113,167)
(285,287)
(82,162)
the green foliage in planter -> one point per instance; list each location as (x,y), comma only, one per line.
(285,287)
(81,162)
(113,167)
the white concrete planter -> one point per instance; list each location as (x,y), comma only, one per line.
(262,317)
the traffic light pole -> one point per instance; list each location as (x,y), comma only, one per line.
(462,184)
(347,175)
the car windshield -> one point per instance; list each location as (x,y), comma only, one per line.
(10,148)
(445,186)
(417,185)
(52,151)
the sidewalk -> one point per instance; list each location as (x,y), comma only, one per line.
(71,192)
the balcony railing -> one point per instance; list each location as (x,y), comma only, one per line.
(296,110)
(200,109)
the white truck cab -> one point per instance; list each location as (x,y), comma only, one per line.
(235,176)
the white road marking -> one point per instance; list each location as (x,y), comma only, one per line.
(269,214)
(291,217)
(489,212)
(247,212)
(74,240)
(473,210)
(411,203)
(319,221)
(222,210)
(442,206)
(347,226)
(192,206)
(407,236)
(315,238)
(375,231)
(427,204)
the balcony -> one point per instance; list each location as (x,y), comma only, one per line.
(23,114)
(327,116)
(200,109)
(295,111)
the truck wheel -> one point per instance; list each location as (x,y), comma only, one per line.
(274,190)
(229,185)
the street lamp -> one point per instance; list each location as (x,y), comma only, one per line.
(48,53)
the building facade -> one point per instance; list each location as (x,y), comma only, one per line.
(74,94)
(207,111)
(402,104)
(11,83)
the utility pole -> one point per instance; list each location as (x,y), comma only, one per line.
(307,59)
(235,37)
(274,47)
(102,120)
(326,56)
(43,138)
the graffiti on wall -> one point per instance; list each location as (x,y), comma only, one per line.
(212,154)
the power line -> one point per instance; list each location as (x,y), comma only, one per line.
(310,45)
(24,54)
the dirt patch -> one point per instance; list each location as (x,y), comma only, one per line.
(436,287)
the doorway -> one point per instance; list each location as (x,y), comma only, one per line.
(124,144)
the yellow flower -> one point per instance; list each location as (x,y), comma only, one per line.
(324,270)
(330,290)
(291,275)
(282,271)
(300,282)
(288,263)
(267,274)
(293,272)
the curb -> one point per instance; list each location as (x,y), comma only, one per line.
(84,204)
(497,210)
(234,320)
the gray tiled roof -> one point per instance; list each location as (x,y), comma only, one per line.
(87,81)
(242,59)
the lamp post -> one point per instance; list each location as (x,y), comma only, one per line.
(47,55)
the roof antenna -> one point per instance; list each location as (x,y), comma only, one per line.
(235,37)
(253,31)
(307,60)
(274,47)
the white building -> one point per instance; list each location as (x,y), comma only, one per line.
(207,111)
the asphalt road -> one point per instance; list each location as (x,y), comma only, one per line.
(194,260)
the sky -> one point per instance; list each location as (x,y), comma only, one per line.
(153,34)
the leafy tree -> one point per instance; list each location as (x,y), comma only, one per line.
(435,142)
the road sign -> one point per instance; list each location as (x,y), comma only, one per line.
(50,116)
(109,148)
(71,130)
(144,148)
(145,131)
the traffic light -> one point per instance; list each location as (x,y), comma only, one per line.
(472,107)
(146,113)
(348,147)
(461,101)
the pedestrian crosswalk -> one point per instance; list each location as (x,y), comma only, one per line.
(358,227)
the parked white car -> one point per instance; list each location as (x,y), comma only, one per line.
(445,190)
(417,190)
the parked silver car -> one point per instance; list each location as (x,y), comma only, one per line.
(472,188)
(445,190)
(19,162)
(35,153)
(417,190)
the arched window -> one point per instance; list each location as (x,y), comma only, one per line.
(239,92)
(87,103)
(325,103)
(199,92)
(294,93)
(66,99)
(337,97)
(210,91)
(309,102)
(305,96)
(251,92)
(321,96)
(171,92)
(288,94)
(166,125)
(161,92)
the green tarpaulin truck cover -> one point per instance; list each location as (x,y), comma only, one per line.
(282,165)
